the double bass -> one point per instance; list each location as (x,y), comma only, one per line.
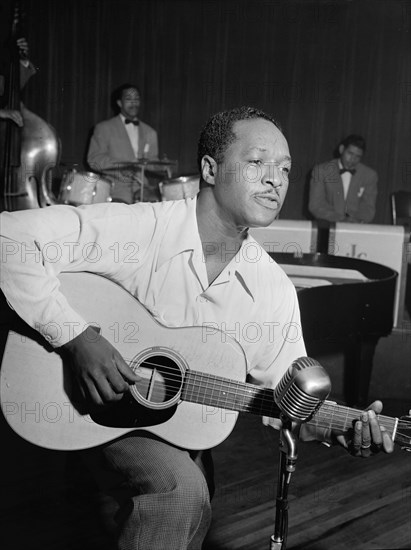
(30,152)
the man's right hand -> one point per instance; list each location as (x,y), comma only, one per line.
(102,373)
(23,48)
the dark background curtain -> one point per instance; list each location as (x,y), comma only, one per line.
(323,68)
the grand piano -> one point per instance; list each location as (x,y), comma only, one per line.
(346,305)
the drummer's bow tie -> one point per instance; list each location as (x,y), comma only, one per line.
(342,170)
(129,121)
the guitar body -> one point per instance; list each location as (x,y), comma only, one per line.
(41,403)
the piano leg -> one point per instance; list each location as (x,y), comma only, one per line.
(359,355)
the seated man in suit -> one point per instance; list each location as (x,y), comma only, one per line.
(118,142)
(344,189)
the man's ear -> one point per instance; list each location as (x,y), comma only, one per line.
(341,149)
(208,169)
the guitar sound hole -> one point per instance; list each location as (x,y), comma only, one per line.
(160,381)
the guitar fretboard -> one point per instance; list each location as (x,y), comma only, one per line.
(224,393)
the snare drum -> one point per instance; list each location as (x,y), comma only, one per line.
(84,188)
(184,187)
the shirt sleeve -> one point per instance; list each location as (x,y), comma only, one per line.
(38,244)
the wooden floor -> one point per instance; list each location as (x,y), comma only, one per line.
(335,501)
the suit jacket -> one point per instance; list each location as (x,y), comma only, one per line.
(327,201)
(110,145)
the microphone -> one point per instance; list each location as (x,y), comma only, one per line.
(302,390)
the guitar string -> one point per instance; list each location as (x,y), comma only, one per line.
(339,414)
(230,400)
(222,382)
(248,391)
(209,379)
(248,388)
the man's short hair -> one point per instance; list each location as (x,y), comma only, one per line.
(118,93)
(218,133)
(354,139)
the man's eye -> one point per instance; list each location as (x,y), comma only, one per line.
(285,169)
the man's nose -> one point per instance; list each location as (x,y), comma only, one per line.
(272,175)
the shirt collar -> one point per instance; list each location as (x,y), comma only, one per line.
(184,220)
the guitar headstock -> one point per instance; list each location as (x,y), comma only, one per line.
(403,433)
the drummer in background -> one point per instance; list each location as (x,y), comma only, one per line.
(124,139)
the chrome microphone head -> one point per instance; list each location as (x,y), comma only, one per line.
(302,389)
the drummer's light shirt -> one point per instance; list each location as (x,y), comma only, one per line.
(155,252)
(346,180)
(132,131)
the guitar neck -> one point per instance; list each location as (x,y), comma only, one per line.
(223,393)
(341,418)
(216,391)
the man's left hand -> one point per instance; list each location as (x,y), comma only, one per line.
(367,436)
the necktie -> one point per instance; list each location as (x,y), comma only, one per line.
(342,170)
(129,121)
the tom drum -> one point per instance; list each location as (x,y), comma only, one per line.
(179,188)
(84,188)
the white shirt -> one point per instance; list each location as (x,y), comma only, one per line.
(346,180)
(132,131)
(154,251)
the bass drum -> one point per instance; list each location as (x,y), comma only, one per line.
(184,187)
(79,188)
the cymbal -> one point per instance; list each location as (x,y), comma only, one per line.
(141,162)
(162,162)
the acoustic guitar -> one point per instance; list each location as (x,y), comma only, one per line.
(191,388)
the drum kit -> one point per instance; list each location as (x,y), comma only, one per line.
(78,188)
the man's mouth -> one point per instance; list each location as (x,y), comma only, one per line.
(269,200)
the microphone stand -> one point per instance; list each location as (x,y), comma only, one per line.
(286,466)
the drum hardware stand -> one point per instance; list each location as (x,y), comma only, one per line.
(142,168)
(286,466)
(144,162)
